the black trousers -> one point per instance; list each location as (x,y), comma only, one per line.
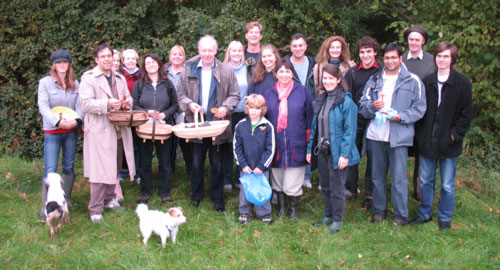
(199,153)
(163,152)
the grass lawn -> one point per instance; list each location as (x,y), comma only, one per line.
(217,241)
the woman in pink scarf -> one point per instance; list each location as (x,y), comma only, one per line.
(289,108)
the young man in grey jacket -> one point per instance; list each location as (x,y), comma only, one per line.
(394,100)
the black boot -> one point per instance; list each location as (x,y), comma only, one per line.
(68,187)
(43,193)
(294,205)
(281,203)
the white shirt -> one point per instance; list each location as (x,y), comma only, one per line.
(441,81)
(382,132)
(419,56)
(206,80)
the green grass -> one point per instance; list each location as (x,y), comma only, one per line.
(216,241)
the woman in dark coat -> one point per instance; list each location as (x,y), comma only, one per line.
(155,94)
(289,109)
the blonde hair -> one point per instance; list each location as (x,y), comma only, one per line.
(232,45)
(178,48)
(324,51)
(256,101)
(129,51)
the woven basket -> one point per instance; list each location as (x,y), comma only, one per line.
(200,130)
(128,118)
(154,131)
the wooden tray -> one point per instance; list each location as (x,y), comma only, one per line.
(200,130)
(154,131)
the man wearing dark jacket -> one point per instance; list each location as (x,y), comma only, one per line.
(367,48)
(441,132)
(208,85)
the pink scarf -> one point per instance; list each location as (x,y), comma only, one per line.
(283,109)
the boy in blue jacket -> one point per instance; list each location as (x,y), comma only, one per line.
(253,146)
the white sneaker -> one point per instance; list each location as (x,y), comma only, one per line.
(138,180)
(114,204)
(228,187)
(96,218)
(307,183)
(319,187)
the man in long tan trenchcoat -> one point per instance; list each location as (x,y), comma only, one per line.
(101,90)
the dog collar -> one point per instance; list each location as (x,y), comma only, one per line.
(170,229)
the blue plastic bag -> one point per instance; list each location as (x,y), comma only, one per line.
(256,188)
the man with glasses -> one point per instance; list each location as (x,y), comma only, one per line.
(101,91)
(393,100)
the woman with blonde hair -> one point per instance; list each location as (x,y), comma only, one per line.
(59,88)
(235,58)
(334,50)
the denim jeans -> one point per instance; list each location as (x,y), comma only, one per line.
(446,205)
(52,145)
(396,158)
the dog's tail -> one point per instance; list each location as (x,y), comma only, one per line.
(141,209)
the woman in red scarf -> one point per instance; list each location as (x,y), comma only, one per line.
(289,108)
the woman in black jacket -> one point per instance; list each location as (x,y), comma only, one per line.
(156,95)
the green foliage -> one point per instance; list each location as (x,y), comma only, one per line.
(32,29)
(473,27)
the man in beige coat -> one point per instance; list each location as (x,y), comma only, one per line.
(102,90)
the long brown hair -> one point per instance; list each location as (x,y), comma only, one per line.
(69,79)
(162,75)
(324,54)
(335,72)
(260,70)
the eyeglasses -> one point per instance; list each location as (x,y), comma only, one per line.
(393,58)
(105,56)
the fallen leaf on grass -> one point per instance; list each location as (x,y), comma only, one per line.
(69,243)
(221,243)
(341,263)
(210,267)
(498,211)
(407,257)
(256,233)
(8,175)
(138,235)
(491,210)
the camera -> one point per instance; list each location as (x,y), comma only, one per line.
(324,145)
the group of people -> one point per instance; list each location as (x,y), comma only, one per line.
(289,116)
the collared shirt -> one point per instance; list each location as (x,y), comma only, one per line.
(375,65)
(419,56)
(174,78)
(206,80)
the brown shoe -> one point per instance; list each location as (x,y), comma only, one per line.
(377,218)
(398,222)
(367,204)
(143,199)
(166,199)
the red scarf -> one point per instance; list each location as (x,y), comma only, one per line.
(283,107)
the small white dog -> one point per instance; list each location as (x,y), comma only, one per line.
(162,224)
(56,208)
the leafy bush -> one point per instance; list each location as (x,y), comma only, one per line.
(32,29)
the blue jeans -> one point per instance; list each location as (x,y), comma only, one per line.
(396,158)
(52,145)
(446,205)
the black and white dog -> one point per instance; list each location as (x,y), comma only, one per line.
(162,224)
(56,208)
